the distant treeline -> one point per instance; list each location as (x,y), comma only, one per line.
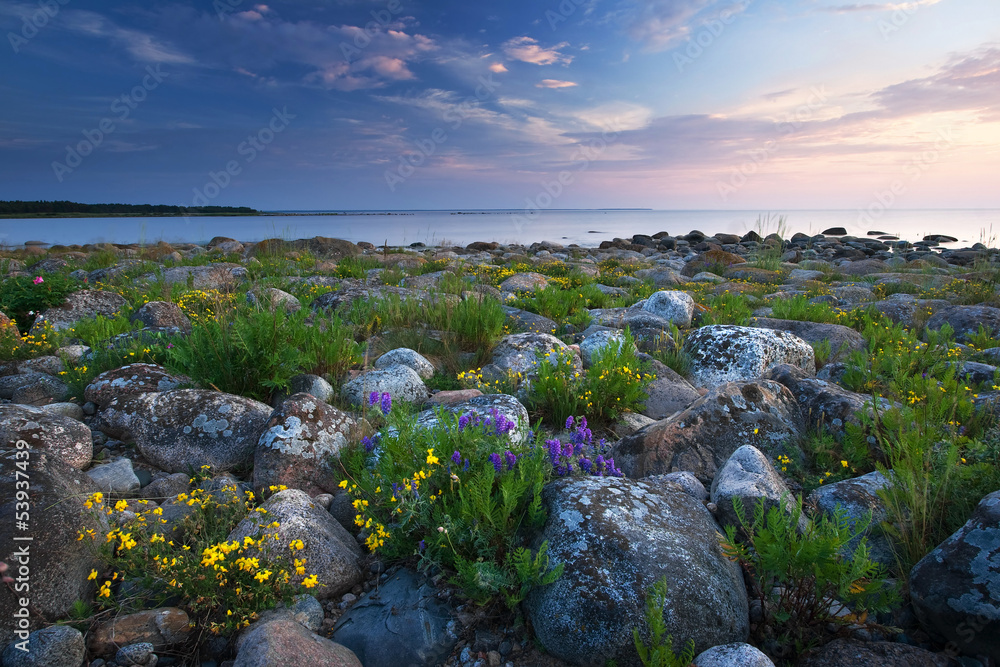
(31,209)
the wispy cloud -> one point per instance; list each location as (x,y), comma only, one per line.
(142,46)
(528,50)
(879,6)
(555,83)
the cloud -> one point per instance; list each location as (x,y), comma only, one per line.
(499,68)
(880,7)
(555,83)
(142,46)
(527,49)
(660,24)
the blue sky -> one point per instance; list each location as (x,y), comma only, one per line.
(398,104)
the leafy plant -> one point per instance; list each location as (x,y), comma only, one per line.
(22,297)
(800,308)
(659,652)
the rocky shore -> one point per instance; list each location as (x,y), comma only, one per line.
(762,359)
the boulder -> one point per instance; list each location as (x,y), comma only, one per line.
(188,428)
(701,438)
(724,353)
(736,654)
(486,406)
(311,384)
(163,628)
(524,282)
(401,382)
(524,321)
(216,276)
(402,623)
(823,403)
(519,353)
(61,437)
(660,276)
(161,315)
(330,551)
(852,653)
(843,340)
(859,499)
(667,394)
(599,341)
(129,380)
(687,481)
(284,642)
(57,561)
(966,321)
(116,477)
(35,389)
(714,261)
(55,646)
(673,306)
(273,298)
(616,537)
(404,356)
(304,609)
(299,445)
(955,589)
(748,476)
(82,305)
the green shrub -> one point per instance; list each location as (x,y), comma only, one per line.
(357,266)
(800,576)
(799,308)
(660,650)
(23,297)
(727,308)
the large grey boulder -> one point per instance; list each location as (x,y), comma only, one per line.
(597,342)
(524,282)
(299,445)
(724,353)
(843,340)
(853,653)
(404,356)
(737,654)
(273,298)
(966,320)
(55,646)
(131,379)
(668,393)
(219,275)
(955,589)
(56,560)
(62,437)
(399,625)
(161,315)
(673,306)
(701,438)
(520,353)
(82,305)
(284,642)
(330,551)
(401,382)
(616,537)
(860,500)
(824,403)
(749,477)
(188,428)
(488,406)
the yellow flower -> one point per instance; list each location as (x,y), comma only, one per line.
(843,463)
(92,575)
(310,581)
(431,459)
(297,545)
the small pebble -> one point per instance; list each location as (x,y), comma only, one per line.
(349,598)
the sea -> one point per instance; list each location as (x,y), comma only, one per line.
(461,227)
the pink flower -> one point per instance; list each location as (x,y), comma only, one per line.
(38,279)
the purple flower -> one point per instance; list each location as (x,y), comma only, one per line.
(555,449)
(463,421)
(386,403)
(373,398)
(465,466)
(569,422)
(599,465)
(511,459)
(495,460)
(368,443)
(585,464)
(456,458)
(567,450)
(422,545)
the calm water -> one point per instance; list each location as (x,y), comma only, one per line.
(441,227)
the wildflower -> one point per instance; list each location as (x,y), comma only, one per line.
(456,458)
(310,581)
(431,459)
(373,398)
(843,463)
(38,280)
(92,575)
(569,422)
(386,403)
(298,545)
(495,460)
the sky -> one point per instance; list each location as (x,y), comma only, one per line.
(553,104)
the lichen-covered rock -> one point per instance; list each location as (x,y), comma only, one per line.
(672,305)
(712,260)
(129,380)
(61,437)
(163,628)
(188,428)
(216,276)
(404,356)
(616,537)
(749,477)
(330,551)
(683,479)
(484,406)
(966,321)
(55,646)
(821,402)
(298,446)
(56,561)
(401,382)
(859,499)
(701,438)
(524,282)
(32,388)
(525,321)
(599,341)
(724,353)
(402,623)
(161,315)
(311,384)
(82,305)
(955,589)
(519,353)
(284,642)
(853,653)
(736,654)
(843,340)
